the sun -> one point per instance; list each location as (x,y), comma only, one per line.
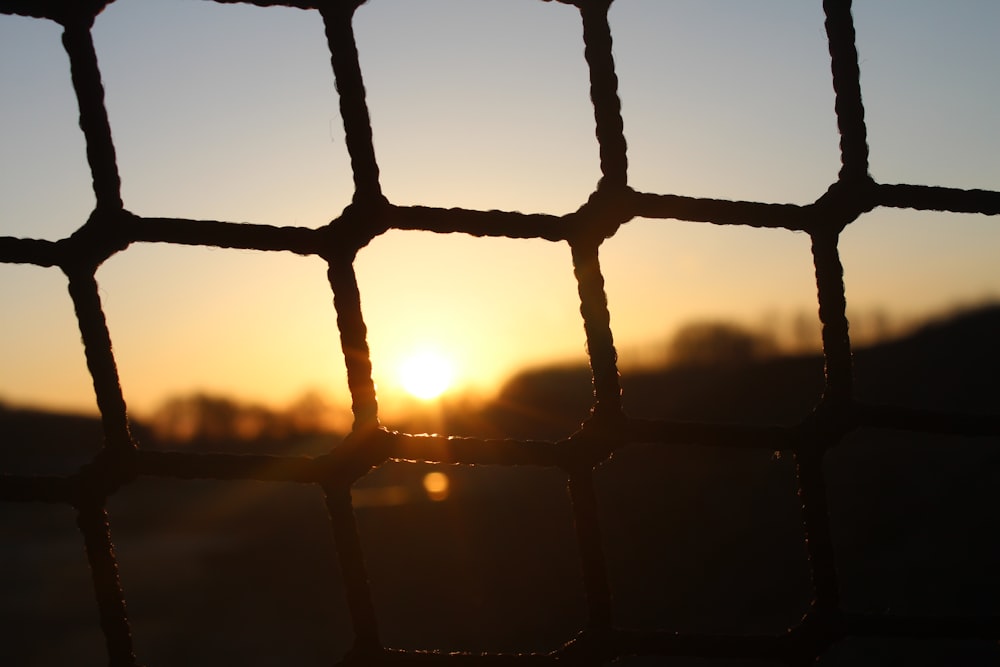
(426,374)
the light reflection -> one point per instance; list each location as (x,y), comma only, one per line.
(436,485)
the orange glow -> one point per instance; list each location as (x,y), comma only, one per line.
(436,485)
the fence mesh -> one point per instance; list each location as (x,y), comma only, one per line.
(111,229)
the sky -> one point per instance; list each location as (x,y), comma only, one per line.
(229,112)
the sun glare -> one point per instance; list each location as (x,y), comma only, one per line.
(426,374)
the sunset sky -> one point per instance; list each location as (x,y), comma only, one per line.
(229,112)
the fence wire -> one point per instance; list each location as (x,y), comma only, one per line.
(111,229)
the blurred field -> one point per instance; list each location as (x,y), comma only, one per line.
(697,539)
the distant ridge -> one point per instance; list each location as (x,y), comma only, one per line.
(949,364)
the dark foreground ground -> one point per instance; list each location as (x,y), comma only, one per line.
(697,539)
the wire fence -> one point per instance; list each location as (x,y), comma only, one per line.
(111,229)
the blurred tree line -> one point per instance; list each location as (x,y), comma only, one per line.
(205,417)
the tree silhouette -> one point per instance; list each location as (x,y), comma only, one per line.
(718,343)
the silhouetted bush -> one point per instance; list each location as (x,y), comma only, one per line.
(718,343)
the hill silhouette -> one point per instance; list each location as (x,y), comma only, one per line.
(945,365)
(697,539)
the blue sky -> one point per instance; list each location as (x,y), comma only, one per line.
(229,112)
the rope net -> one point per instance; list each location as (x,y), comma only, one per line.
(111,229)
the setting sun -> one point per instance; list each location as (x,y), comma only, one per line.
(426,374)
